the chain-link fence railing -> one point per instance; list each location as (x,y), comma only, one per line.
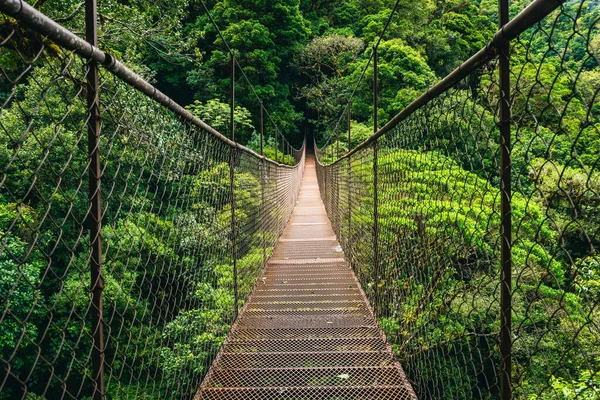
(423,212)
(147,317)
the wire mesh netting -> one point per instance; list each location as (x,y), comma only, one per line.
(170,288)
(417,212)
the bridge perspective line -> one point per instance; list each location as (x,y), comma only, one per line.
(307,330)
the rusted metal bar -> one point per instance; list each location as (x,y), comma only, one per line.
(376,226)
(375,184)
(337,141)
(349,122)
(42,24)
(349,174)
(262,185)
(282,149)
(276,160)
(505,207)
(262,127)
(232,180)
(95,216)
(535,12)
(375,87)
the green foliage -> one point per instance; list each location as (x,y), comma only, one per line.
(324,61)
(586,386)
(20,272)
(403,75)
(359,132)
(587,281)
(218,115)
(457,31)
(265,35)
(271,149)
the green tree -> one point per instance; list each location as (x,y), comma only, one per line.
(403,75)
(218,115)
(265,36)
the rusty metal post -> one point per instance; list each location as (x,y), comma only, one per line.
(276,130)
(337,140)
(505,206)
(232,180)
(376,226)
(375,182)
(261,127)
(262,184)
(348,174)
(375,88)
(349,122)
(95,216)
(282,149)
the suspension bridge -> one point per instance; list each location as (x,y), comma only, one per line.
(146,255)
(307,322)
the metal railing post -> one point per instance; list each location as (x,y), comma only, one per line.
(95,216)
(505,206)
(376,225)
(262,184)
(375,182)
(276,144)
(232,180)
(375,88)
(349,122)
(261,128)
(348,174)
(337,141)
(336,221)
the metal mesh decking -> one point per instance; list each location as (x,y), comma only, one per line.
(307,331)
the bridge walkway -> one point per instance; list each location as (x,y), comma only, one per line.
(307,330)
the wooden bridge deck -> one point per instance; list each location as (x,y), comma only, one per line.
(307,331)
